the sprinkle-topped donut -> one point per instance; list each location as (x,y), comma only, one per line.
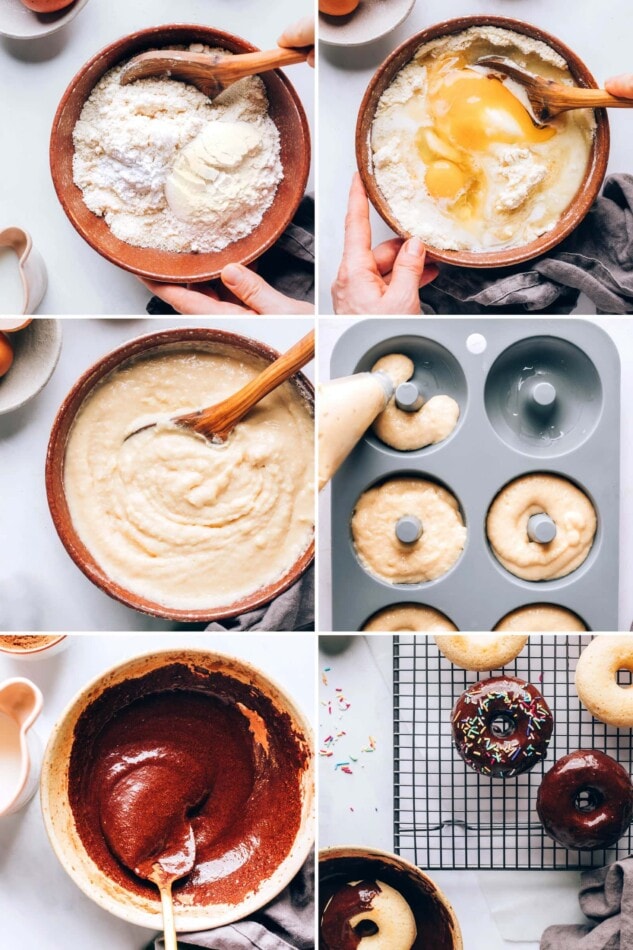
(502,726)
(586,800)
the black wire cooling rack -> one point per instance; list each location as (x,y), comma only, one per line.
(446,816)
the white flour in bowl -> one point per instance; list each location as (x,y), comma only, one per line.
(130,139)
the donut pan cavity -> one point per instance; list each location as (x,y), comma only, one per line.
(447,816)
(535,396)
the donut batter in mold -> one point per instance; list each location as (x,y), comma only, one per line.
(508,524)
(541,618)
(381,510)
(408,617)
(406,431)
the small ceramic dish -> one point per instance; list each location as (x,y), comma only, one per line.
(586,194)
(62,830)
(21,703)
(285,110)
(33,646)
(202,338)
(371,20)
(31,267)
(36,351)
(19,23)
(436,923)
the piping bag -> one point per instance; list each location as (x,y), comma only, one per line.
(346,409)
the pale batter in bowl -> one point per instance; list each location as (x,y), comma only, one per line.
(374,522)
(407,431)
(172,518)
(568,507)
(457,156)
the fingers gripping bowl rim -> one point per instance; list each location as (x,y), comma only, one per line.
(204,338)
(59,820)
(285,109)
(576,211)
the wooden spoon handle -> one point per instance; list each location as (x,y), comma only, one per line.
(169,924)
(203,66)
(568,97)
(220,419)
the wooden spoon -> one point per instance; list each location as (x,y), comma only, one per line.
(164,872)
(217,422)
(211,73)
(548,98)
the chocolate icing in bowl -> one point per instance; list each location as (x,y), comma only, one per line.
(178,747)
(182,738)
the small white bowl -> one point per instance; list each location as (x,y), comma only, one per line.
(371,20)
(35,650)
(36,351)
(19,23)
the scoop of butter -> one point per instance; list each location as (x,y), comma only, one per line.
(209,168)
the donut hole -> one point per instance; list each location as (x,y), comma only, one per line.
(624,678)
(366,928)
(502,725)
(587,800)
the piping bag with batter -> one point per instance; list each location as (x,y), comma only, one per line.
(346,409)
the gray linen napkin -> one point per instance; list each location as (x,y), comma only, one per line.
(596,259)
(292,610)
(606,897)
(288,266)
(287,923)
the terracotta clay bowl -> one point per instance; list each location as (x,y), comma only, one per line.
(62,829)
(436,922)
(208,339)
(285,110)
(596,166)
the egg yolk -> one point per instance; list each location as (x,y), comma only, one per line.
(469,112)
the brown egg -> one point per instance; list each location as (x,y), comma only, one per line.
(335,7)
(6,355)
(46,6)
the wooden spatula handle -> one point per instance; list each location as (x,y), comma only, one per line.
(573,98)
(223,417)
(250,64)
(182,63)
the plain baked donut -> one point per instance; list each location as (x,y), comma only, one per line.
(585,801)
(566,505)
(402,618)
(374,522)
(480,651)
(385,908)
(407,431)
(502,701)
(541,618)
(597,679)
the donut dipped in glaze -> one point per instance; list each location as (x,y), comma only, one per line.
(367,914)
(502,726)
(585,801)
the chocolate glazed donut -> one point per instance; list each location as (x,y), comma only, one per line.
(352,899)
(502,726)
(585,801)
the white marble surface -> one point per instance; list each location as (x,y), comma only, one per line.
(497,910)
(598,32)
(621,331)
(40,907)
(34,76)
(40,587)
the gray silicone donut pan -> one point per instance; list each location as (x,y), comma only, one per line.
(479,458)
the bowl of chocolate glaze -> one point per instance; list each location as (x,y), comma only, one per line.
(171,743)
(365,893)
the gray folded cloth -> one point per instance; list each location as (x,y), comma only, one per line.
(596,259)
(287,923)
(292,610)
(288,266)
(606,897)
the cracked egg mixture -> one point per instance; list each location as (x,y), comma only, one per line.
(457,155)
